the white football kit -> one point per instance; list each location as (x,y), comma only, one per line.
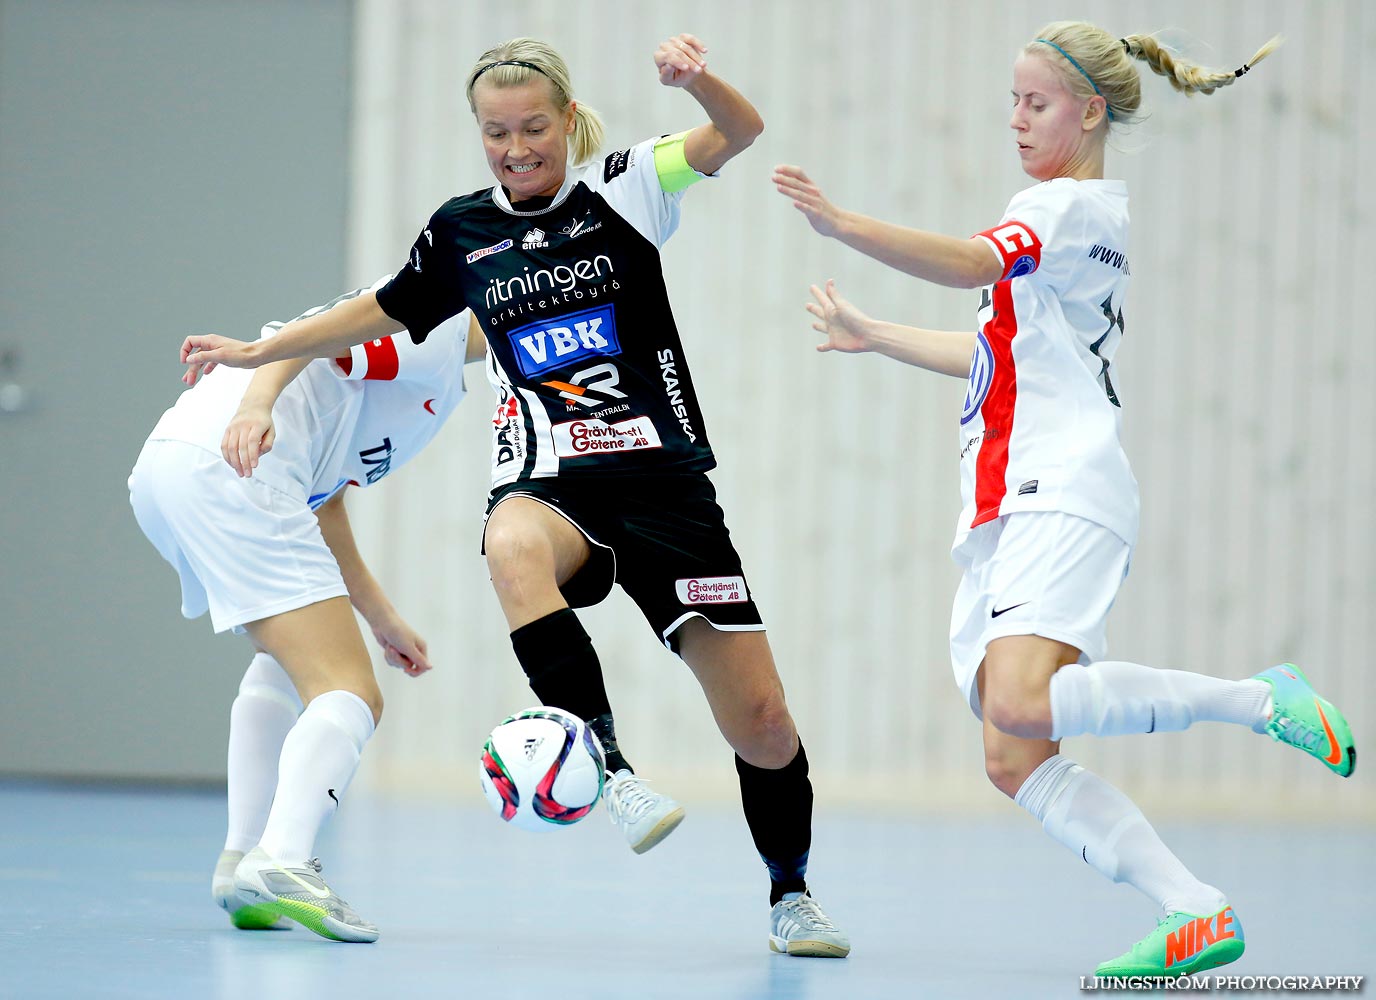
(247,549)
(1039,431)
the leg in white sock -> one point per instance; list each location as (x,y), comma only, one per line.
(318,761)
(1113,698)
(1088,815)
(263,714)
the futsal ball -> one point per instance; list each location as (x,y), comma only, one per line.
(542,768)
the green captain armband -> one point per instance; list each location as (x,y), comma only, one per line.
(672,166)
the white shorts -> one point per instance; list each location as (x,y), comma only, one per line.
(1034,573)
(244,550)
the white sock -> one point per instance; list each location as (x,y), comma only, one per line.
(1113,698)
(263,714)
(318,761)
(1088,815)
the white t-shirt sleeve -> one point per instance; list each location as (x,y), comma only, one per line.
(630,182)
(399,359)
(1041,232)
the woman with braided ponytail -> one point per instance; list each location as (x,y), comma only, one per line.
(1050,503)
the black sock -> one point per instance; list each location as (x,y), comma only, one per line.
(778,810)
(564,672)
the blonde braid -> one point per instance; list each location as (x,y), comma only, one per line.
(1185,76)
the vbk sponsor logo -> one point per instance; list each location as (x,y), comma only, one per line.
(577,438)
(981,377)
(559,342)
(712,590)
(415,258)
(506,423)
(534,239)
(485,251)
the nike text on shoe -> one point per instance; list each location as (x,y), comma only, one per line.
(1182,945)
(799,927)
(301,894)
(242,914)
(1302,719)
(644,817)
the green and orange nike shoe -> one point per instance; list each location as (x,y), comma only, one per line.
(1181,945)
(1302,719)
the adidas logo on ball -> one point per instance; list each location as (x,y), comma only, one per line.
(542,768)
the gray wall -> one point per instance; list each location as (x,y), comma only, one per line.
(166,166)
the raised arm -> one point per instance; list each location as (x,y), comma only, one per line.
(401,646)
(852,332)
(734,123)
(945,260)
(326,334)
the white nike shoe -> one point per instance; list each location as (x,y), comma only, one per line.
(301,894)
(644,817)
(799,927)
(242,914)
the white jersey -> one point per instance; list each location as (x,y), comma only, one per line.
(1040,425)
(331,431)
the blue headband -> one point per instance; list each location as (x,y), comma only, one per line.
(1072,62)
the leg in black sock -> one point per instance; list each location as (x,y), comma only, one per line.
(778,810)
(564,672)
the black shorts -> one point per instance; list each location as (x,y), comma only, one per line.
(662,537)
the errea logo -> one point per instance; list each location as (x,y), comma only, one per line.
(534,239)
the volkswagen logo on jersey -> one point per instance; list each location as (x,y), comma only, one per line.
(558,342)
(981,375)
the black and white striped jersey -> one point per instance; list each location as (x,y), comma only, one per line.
(583,351)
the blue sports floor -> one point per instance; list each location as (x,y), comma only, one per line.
(105,893)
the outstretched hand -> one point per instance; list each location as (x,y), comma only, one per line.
(201,352)
(846,327)
(680,60)
(793,183)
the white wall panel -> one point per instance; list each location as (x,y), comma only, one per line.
(1246,374)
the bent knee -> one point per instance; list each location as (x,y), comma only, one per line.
(509,544)
(371,695)
(1005,771)
(1024,715)
(767,737)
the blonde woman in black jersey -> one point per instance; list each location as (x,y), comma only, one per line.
(600,448)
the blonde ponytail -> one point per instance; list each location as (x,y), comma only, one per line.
(1185,76)
(1093,62)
